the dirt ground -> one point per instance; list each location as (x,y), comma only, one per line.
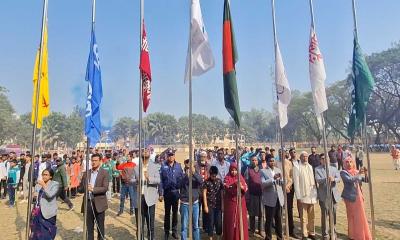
(386,188)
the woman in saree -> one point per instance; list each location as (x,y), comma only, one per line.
(43,224)
(353,198)
(231,224)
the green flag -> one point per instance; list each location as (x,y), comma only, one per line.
(363,84)
(230,58)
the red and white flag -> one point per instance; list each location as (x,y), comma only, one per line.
(145,71)
(317,75)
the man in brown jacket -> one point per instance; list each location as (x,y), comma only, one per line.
(97,201)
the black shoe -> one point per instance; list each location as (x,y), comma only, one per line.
(175,236)
(131,212)
(312,237)
(119,213)
(294,236)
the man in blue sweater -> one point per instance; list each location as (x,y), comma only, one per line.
(12,181)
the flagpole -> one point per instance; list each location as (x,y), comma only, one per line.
(33,146)
(239,190)
(86,197)
(328,182)
(365,140)
(327,162)
(280,129)
(190,127)
(139,192)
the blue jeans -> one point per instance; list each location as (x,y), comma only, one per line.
(11,194)
(184,210)
(130,189)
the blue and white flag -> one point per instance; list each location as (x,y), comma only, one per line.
(94,94)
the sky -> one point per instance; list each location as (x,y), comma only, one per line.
(167,25)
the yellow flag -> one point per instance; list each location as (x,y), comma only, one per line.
(44,95)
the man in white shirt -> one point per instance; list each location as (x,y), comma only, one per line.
(221,164)
(44,164)
(135,159)
(3,175)
(306,192)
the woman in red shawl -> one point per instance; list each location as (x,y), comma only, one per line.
(231,227)
(357,220)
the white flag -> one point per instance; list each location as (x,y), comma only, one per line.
(282,88)
(202,57)
(317,75)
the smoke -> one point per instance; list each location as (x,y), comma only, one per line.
(78,92)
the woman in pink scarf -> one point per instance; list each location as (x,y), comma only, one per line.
(358,228)
(231,227)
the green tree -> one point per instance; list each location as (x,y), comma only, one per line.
(124,128)
(52,130)
(23,136)
(73,132)
(162,128)
(7,118)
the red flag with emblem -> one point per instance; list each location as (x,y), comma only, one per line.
(145,71)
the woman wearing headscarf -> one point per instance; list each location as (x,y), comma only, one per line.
(357,221)
(231,225)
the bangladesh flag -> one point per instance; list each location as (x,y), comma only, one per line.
(229,60)
(363,84)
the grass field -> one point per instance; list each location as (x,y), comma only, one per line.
(386,187)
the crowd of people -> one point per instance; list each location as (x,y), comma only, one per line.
(215,179)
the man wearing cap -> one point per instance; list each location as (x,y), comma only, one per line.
(171,181)
(306,192)
(253,179)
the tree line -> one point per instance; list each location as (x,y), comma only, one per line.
(259,125)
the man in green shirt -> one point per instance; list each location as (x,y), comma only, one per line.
(60,176)
(107,165)
(116,180)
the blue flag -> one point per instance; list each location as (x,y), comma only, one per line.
(94,94)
